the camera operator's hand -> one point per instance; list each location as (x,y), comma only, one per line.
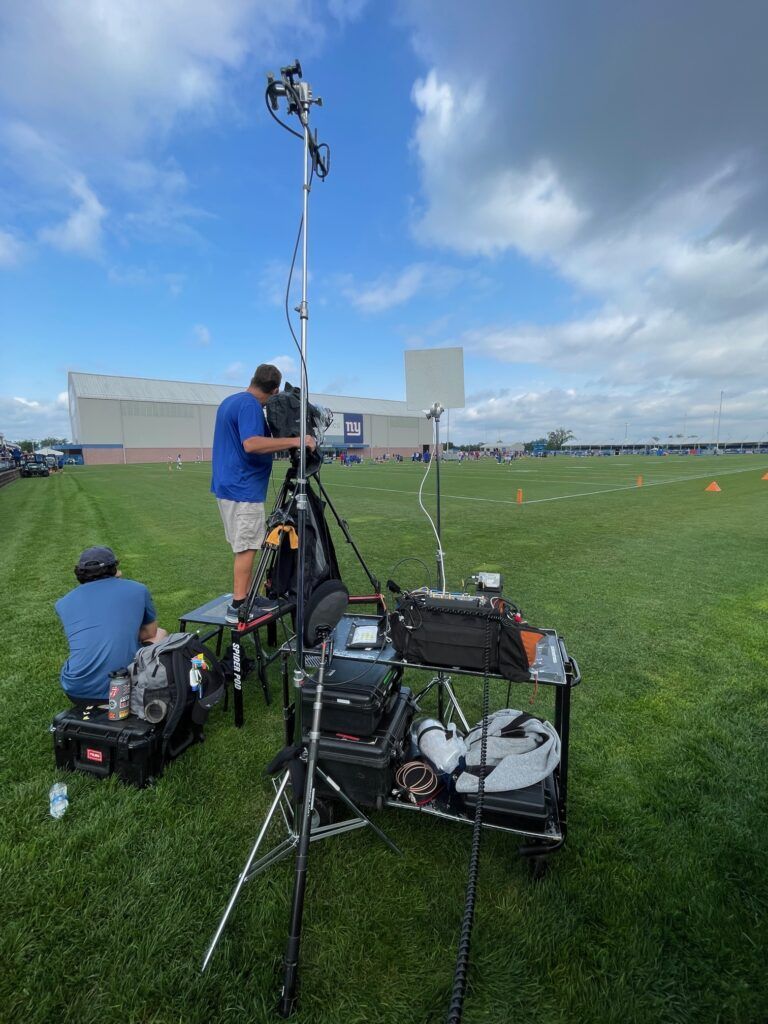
(310,442)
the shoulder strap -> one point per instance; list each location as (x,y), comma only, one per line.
(517,723)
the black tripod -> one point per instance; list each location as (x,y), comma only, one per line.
(284,513)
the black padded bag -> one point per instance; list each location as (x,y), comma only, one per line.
(430,631)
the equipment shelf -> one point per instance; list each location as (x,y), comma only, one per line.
(553,667)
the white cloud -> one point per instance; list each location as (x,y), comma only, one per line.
(604,414)
(175,284)
(643,191)
(235,373)
(81,232)
(34,418)
(112,74)
(345,11)
(475,207)
(287,365)
(387,292)
(12,250)
(91,93)
(273,280)
(396,289)
(129,276)
(240,373)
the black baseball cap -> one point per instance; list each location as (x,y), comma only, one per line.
(97,557)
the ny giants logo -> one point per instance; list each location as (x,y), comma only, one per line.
(354,428)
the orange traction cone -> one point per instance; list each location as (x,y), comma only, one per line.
(519,495)
(764,476)
(639,481)
(712,487)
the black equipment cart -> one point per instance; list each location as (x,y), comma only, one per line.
(538,813)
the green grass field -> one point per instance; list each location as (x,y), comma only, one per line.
(655,910)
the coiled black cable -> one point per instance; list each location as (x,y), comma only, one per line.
(462,955)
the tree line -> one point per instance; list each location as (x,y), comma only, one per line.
(554,441)
(47,442)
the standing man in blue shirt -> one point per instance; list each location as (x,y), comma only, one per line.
(242,464)
(106,619)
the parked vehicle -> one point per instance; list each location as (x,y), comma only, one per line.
(35,469)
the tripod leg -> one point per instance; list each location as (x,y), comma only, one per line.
(260,659)
(267,554)
(454,702)
(244,873)
(360,814)
(343,526)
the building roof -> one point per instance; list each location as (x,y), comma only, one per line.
(142,389)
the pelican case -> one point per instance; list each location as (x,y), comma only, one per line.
(528,809)
(364,767)
(356,696)
(85,740)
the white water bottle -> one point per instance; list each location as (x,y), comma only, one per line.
(59,801)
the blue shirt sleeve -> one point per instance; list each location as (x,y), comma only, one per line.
(250,421)
(150,615)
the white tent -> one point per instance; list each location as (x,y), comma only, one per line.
(49,451)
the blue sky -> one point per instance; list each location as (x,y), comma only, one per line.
(576,194)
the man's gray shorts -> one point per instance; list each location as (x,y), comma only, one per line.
(244,524)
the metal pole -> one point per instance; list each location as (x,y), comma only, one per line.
(287,1002)
(440,573)
(720,413)
(301,482)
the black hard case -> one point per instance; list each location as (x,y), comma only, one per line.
(365,768)
(132,749)
(528,809)
(356,696)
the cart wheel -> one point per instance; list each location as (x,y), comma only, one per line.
(538,868)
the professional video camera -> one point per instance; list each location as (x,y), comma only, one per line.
(284,415)
(283,412)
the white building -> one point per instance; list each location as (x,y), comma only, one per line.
(133,419)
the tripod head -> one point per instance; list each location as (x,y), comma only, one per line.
(299,99)
(296,92)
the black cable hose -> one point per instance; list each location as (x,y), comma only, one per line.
(462,955)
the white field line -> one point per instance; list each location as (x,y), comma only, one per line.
(557,497)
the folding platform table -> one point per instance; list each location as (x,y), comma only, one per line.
(213,614)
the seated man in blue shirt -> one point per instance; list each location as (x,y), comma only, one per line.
(242,463)
(106,619)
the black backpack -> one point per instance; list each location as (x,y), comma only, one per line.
(161,672)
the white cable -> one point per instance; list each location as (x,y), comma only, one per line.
(429,517)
